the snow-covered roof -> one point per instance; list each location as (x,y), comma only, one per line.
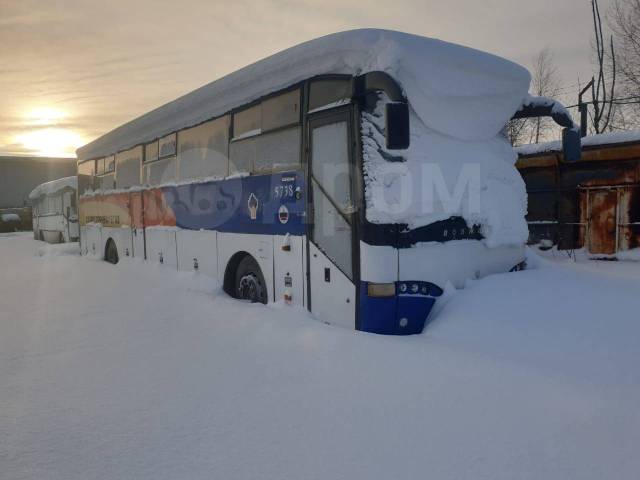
(10,217)
(590,141)
(49,188)
(455,90)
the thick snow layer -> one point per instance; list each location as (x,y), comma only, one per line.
(455,90)
(439,177)
(556,107)
(54,186)
(590,141)
(136,371)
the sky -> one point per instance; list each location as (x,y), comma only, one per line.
(71,70)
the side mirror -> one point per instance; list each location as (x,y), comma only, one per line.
(397,125)
(571,145)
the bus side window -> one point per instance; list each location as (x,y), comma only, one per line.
(128,167)
(110,164)
(242,154)
(262,140)
(203,150)
(161,171)
(278,150)
(329,91)
(281,111)
(87,168)
(247,122)
(107,182)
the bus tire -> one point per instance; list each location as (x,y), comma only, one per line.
(249,281)
(111,252)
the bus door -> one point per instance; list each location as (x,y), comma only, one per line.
(137,224)
(70,216)
(333,267)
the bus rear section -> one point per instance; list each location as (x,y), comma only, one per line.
(55,214)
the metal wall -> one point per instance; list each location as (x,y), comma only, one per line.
(593,203)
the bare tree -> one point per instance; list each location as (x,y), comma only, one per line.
(544,83)
(602,89)
(518,131)
(624,19)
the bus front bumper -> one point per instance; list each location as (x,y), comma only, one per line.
(403,313)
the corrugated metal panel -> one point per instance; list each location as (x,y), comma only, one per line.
(593,203)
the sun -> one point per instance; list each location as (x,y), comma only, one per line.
(45,136)
(51,141)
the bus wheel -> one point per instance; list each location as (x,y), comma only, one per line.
(111,254)
(250,283)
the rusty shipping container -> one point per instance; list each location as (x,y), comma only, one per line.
(592,204)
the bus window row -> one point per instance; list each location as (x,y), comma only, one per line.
(261,138)
(48,205)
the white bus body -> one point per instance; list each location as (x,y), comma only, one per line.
(55,214)
(356,175)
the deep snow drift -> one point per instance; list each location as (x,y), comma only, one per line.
(136,371)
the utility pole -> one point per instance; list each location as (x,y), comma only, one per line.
(582,108)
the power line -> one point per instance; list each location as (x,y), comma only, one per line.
(616,101)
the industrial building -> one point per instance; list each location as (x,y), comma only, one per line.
(20,175)
(593,203)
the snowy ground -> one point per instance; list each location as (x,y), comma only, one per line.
(135,372)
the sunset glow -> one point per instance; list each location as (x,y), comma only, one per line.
(45,115)
(51,141)
(45,135)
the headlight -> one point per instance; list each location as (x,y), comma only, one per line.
(381,289)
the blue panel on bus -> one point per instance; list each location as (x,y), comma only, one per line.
(271,204)
(402,314)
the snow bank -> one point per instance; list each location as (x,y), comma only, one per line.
(59,249)
(54,186)
(455,90)
(137,372)
(589,141)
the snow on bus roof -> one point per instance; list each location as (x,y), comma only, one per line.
(54,186)
(590,141)
(455,90)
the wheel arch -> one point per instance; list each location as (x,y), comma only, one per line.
(229,278)
(110,241)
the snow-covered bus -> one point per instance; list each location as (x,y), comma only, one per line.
(355,175)
(55,215)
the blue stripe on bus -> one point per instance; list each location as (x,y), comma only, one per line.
(271,204)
